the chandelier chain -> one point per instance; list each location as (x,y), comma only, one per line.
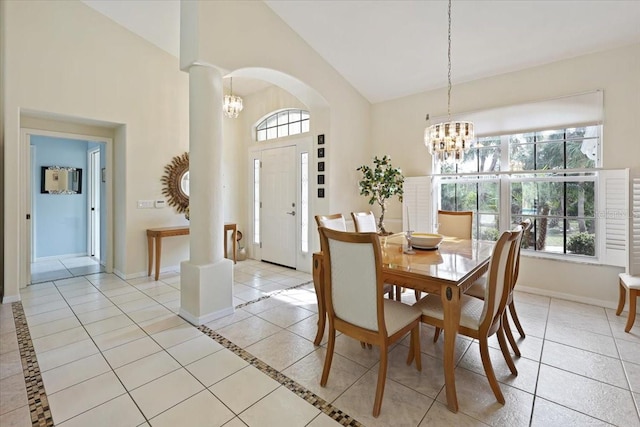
(449,74)
(449,141)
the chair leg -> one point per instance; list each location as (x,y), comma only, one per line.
(488,369)
(516,320)
(321,324)
(398,293)
(418,295)
(505,349)
(329,356)
(509,334)
(382,376)
(621,298)
(633,295)
(414,344)
(436,334)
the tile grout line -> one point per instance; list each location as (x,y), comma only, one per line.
(624,369)
(300,391)
(39,409)
(36,393)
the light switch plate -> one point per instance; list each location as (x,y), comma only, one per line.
(160,204)
(145,204)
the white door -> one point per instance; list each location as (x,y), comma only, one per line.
(94,203)
(278,183)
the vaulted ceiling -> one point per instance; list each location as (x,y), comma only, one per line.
(389,49)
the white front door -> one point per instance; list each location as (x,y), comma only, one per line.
(278,183)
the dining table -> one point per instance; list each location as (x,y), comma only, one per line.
(448,270)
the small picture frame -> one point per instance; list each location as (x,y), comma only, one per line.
(320,179)
(320,166)
(321,193)
(321,139)
(320,153)
(104,175)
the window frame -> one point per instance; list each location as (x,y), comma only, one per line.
(273,125)
(506,176)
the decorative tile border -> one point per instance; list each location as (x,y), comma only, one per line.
(312,398)
(36,395)
(272,294)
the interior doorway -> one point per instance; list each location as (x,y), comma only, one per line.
(66,223)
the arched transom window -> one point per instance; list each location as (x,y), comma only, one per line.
(283,123)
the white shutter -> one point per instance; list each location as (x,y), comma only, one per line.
(612,215)
(416,203)
(634,224)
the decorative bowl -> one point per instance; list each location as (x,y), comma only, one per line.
(426,240)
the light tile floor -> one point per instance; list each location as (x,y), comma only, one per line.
(63,268)
(114,353)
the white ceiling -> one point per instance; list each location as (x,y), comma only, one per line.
(388,49)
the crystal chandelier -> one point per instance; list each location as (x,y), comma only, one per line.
(232,104)
(447,142)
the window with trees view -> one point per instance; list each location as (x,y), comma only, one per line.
(546,176)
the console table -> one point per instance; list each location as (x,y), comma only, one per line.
(156,234)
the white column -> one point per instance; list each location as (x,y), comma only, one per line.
(206,282)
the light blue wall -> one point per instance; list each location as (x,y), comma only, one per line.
(60,220)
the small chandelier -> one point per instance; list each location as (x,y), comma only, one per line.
(448,141)
(232,104)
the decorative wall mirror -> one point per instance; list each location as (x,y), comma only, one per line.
(176,182)
(61,180)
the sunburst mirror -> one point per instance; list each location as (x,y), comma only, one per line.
(176,182)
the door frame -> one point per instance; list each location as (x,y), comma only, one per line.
(303,144)
(25,208)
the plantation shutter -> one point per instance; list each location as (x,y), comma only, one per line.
(634,225)
(416,203)
(613,217)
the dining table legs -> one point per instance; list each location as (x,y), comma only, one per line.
(451,306)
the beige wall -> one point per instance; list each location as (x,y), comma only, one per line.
(66,59)
(2,97)
(398,126)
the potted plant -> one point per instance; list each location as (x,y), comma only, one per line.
(379,183)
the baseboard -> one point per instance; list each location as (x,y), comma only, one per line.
(57,257)
(10,299)
(197,321)
(568,297)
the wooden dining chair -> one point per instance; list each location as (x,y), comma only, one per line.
(338,223)
(478,290)
(333,221)
(632,283)
(480,319)
(457,224)
(365,222)
(355,304)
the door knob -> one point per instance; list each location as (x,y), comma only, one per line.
(292,213)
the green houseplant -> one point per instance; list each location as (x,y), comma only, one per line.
(379,183)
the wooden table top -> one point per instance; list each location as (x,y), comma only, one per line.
(452,262)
